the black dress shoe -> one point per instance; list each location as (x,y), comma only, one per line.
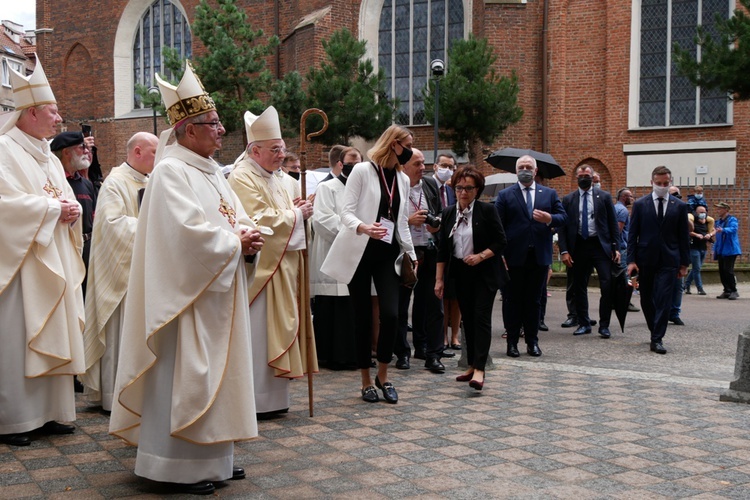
(569,323)
(677,321)
(402,363)
(238,473)
(15,439)
(56,428)
(446,354)
(533,350)
(389,392)
(420,354)
(200,488)
(434,365)
(370,395)
(543,327)
(513,351)
(658,348)
(604,332)
(582,330)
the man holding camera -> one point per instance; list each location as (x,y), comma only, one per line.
(427,312)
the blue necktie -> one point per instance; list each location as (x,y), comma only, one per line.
(529,204)
(585,217)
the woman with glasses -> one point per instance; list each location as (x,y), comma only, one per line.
(471,240)
(374,234)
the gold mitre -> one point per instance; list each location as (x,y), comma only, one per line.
(187,99)
(33,90)
(263,127)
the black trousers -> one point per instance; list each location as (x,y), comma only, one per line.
(726,273)
(656,285)
(522,300)
(376,266)
(475,300)
(589,255)
(570,296)
(426,314)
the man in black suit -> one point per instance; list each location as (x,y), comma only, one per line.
(427,311)
(590,240)
(658,250)
(527,211)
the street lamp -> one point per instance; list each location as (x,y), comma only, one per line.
(438,68)
(154,91)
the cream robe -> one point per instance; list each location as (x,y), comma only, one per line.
(279,304)
(326,221)
(41,304)
(109,267)
(185,379)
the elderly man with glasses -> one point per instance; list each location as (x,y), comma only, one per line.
(279,304)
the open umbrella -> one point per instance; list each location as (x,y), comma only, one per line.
(505,159)
(495,183)
(622,292)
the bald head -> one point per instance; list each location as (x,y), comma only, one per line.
(141,149)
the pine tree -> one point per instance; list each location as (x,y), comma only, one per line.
(725,55)
(289,100)
(349,91)
(476,105)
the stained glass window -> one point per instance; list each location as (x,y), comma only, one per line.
(162,25)
(666,97)
(411,34)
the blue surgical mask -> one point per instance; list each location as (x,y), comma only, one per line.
(699,196)
(702,216)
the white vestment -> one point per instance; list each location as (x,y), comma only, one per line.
(184,389)
(109,267)
(41,303)
(326,221)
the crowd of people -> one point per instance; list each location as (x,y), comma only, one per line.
(198,312)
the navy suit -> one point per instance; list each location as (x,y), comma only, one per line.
(528,255)
(450,194)
(595,251)
(658,249)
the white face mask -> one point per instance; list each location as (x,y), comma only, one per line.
(661,191)
(443,174)
(597,185)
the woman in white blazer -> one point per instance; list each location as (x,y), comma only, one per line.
(375,232)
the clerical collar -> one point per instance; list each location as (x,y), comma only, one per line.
(139,176)
(38,148)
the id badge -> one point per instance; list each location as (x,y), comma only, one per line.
(389,227)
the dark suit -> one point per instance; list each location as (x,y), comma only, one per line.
(595,251)
(658,249)
(476,286)
(427,311)
(528,256)
(450,194)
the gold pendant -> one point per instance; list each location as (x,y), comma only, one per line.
(227,211)
(50,189)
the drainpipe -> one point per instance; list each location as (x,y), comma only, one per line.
(545,27)
(276,29)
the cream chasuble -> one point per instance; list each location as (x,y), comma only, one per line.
(186,335)
(279,270)
(109,267)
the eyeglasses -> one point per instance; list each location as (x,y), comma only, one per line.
(275,150)
(213,125)
(468,189)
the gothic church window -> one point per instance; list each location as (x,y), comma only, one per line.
(665,98)
(162,25)
(411,34)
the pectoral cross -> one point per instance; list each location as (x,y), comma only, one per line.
(227,211)
(51,190)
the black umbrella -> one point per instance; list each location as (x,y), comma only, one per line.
(622,292)
(505,159)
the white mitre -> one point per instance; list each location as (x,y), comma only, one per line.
(264,127)
(28,91)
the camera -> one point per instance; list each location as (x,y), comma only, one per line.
(438,67)
(432,220)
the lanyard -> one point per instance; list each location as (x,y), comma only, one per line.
(417,206)
(390,191)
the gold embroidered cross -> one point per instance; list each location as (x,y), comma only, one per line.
(50,189)
(227,211)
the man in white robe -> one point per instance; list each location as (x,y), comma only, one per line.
(109,266)
(283,342)
(41,270)
(184,389)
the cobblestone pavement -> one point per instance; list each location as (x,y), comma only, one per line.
(548,428)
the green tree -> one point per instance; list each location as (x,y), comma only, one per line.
(289,100)
(175,66)
(476,105)
(725,55)
(347,88)
(233,70)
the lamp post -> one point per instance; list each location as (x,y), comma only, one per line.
(438,68)
(154,91)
